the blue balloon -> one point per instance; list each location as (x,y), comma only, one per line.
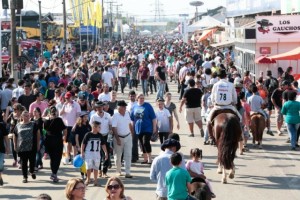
(78,161)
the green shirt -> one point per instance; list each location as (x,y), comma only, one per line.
(291,110)
(176,181)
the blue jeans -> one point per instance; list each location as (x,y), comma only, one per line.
(1,162)
(161,89)
(145,86)
(292,130)
(39,156)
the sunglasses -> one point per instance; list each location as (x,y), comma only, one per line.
(110,187)
(80,188)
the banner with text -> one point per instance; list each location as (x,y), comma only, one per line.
(277,27)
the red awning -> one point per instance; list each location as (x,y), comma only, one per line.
(206,34)
(290,55)
(264,60)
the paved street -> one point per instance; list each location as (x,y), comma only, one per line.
(270,173)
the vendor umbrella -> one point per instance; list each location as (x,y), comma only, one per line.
(264,60)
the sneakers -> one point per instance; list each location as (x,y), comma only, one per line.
(128,176)
(288,140)
(14,164)
(36,169)
(54,178)
(202,132)
(293,148)
(269,132)
(213,195)
(25,180)
(191,135)
(279,133)
(33,176)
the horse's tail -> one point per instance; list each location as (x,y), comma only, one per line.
(228,142)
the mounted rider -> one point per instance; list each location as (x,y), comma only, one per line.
(223,97)
(257,104)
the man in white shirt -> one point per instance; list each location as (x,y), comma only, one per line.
(19,90)
(105,120)
(108,78)
(223,96)
(206,64)
(181,77)
(140,56)
(45,63)
(135,151)
(105,95)
(123,130)
(152,67)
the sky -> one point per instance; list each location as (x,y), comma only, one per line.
(137,8)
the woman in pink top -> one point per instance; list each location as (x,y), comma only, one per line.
(38,103)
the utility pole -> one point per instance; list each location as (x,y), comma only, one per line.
(102,28)
(13,50)
(110,24)
(41,27)
(64,23)
(117,18)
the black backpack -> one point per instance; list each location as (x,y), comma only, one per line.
(273,85)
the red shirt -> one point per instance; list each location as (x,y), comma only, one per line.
(144,71)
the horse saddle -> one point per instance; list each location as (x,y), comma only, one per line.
(255,113)
(217,112)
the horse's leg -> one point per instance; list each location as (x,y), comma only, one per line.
(224,178)
(219,170)
(232,172)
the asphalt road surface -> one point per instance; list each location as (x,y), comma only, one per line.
(269,173)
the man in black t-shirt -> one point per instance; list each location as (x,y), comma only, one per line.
(271,84)
(277,101)
(192,100)
(27,98)
(160,74)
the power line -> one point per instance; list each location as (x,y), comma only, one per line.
(55,6)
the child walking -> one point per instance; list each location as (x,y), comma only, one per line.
(90,151)
(195,167)
(164,120)
(178,180)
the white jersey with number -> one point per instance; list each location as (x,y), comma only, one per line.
(92,145)
(223,93)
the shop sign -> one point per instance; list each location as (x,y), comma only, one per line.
(265,50)
(277,27)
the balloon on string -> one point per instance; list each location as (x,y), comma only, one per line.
(78,161)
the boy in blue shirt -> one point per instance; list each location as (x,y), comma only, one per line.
(178,180)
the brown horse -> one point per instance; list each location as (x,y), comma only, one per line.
(257,127)
(227,133)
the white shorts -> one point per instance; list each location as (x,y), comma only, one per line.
(92,163)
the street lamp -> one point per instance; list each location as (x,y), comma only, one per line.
(196,4)
(41,28)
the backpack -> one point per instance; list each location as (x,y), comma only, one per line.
(273,85)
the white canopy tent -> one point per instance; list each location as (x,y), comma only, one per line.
(205,22)
(126,28)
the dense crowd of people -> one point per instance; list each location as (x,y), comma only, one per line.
(72,105)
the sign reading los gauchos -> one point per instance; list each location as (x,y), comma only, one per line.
(277,27)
